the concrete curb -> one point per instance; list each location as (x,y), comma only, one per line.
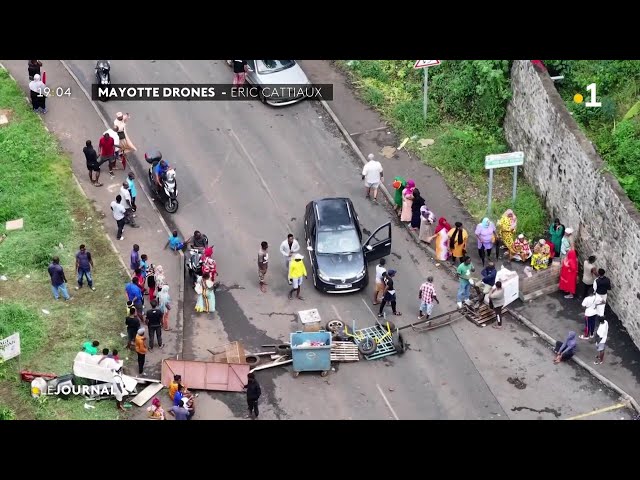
(180,288)
(430,250)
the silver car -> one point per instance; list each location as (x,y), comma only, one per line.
(263,73)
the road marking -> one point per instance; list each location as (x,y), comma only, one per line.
(602,410)
(255,169)
(369,308)
(384,397)
(369,131)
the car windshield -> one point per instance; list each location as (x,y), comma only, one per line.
(272,66)
(338,241)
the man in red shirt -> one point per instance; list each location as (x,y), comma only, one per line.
(107,152)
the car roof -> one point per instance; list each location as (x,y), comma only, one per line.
(334,213)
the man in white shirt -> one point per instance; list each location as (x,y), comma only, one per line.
(602,333)
(127,204)
(119,390)
(372,175)
(288,248)
(119,213)
(380,269)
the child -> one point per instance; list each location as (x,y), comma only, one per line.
(135,257)
(175,242)
(151,282)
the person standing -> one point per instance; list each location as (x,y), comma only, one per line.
(288,248)
(38,94)
(427,295)
(132,189)
(458,237)
(297,271)
(33,67)
(134,257)
(567,242)
(118,387)
(372,174)
(134,295)
(602,333)
(128,205)
(119,213)
(507,226)
(589,274)
(91,157)
(58,279)
(416,205)
(263,264)
(464,286)
(141,349)
(442,239)
(569,274)
(427,219)
(407,201)
(399,184)
(154,322)
(107,148)
(380,271)
(120,126)
(594,307)
(389,295)
(253,395)
(486,234)
(496,302)
(133,324)
(602,284)
(556,232)
(240,69)
(84,265)
(165,303)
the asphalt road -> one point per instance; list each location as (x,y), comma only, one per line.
(245,173)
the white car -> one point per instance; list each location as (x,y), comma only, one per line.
(262,73)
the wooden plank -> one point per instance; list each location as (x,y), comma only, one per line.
(145,395)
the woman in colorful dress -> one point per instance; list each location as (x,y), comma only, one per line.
(458,237)
(399,184)
(164,301)
(416,205)
(206,298)
(442,239)
(209,264)
(485,233)
(569,274)
(427,219)
(522,249)
(507,229)
(556,231)
(407,201)
(156,412)
(541,255)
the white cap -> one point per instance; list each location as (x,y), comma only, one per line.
(521,235)
(371,156)
(569,230)
(119,114)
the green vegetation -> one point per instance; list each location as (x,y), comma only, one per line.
(37,185)
(467,105)
(614,127)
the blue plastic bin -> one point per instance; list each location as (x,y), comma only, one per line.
(311,359)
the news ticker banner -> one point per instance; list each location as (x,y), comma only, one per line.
(210,92)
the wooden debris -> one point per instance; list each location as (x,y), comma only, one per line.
(344,352)
(282,360)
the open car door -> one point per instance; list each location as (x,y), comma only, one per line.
(379,243)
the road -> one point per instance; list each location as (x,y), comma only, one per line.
(245,173)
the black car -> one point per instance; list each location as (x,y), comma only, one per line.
(334,240)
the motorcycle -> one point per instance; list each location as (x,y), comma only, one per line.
(169,191)
(103,74)
(194,262)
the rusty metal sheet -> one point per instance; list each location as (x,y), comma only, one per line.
(225,377)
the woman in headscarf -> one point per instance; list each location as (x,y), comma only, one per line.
(33,68)
(522,249)
(206,298)
(427,219)
(507,229)
(541,254)
(151,282)
(399,185)
(567,242)
(416,205)
(569,274)
(458,242)
(442,239)
(38,97)
(164,301)
(485,233)
(556,231)
(407,201)
(209,264)
(156,412)
(564,351)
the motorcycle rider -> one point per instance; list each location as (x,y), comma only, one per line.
(104,66)
(159,171)
(198,240)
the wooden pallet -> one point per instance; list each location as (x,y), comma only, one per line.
(542,282)
(344,352)
(481,315)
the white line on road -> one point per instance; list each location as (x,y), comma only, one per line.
(369,308)
(384,397)
(335,310)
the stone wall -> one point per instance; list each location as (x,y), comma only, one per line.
(565,169)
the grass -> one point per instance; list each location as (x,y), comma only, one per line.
(38,186)
(461,141)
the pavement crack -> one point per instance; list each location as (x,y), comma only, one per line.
(552,411)
(294,316)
